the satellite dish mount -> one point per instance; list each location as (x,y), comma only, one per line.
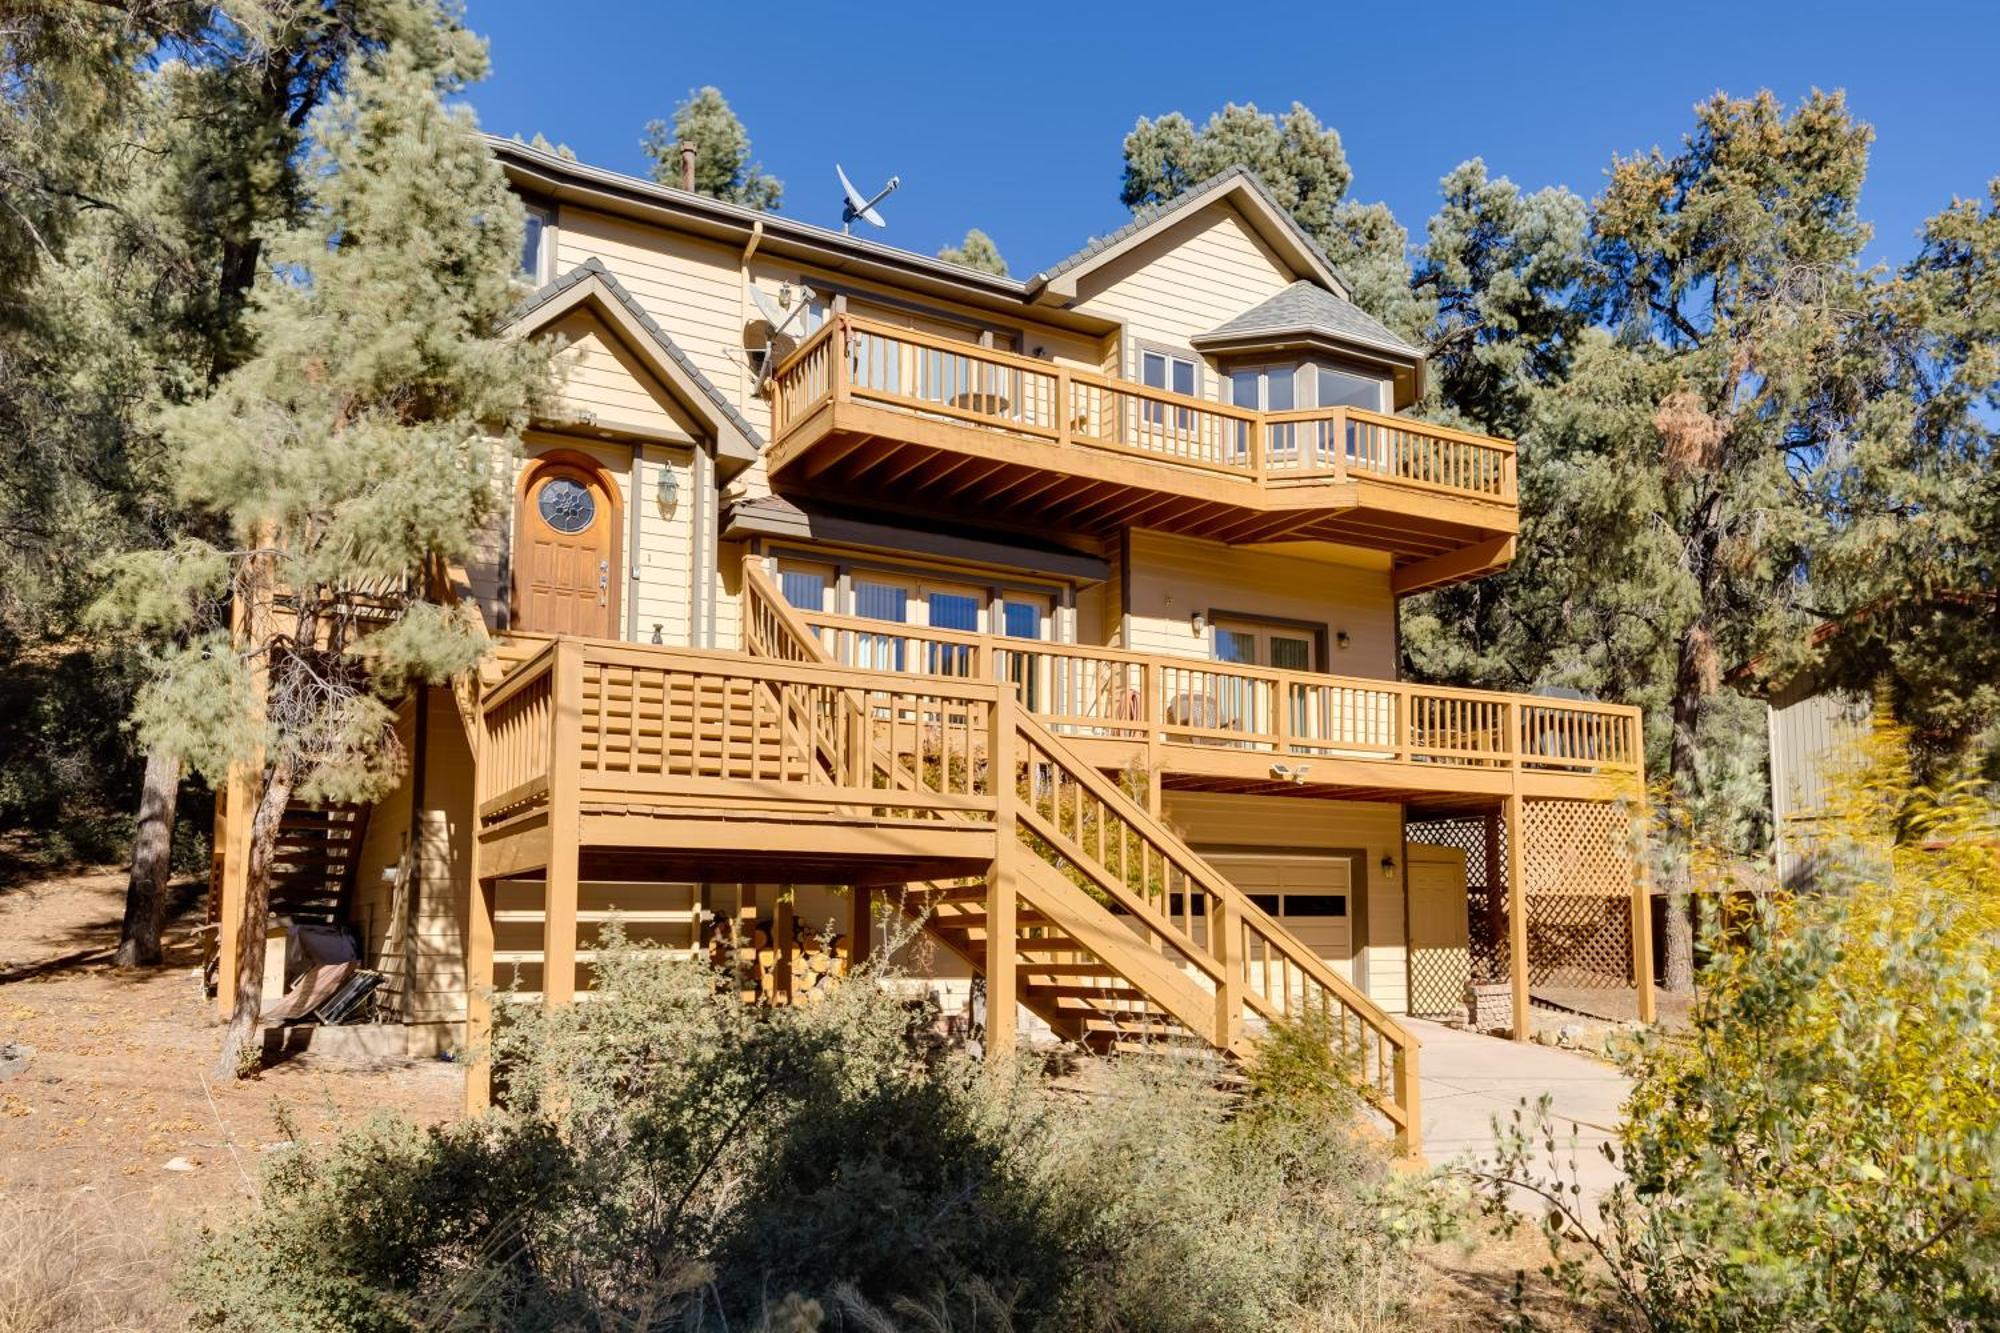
(857,207)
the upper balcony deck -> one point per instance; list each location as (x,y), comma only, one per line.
(868,411)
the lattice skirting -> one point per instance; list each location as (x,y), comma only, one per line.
(1579,862)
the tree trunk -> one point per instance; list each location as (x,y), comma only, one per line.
(242,1029)
(152,858)
(1683,772)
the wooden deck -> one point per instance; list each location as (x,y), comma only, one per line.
(779,762)
(1216,726)
(871,411)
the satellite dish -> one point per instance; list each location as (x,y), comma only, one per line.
(857,207)
(779,326)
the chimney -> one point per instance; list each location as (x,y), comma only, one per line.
(687,166)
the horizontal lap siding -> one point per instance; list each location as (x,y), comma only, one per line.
(1279,824)
(600,376)
(1174,577)
(1198,274)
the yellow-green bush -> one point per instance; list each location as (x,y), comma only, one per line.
(1821,1150)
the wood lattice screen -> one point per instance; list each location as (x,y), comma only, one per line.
(1577,858)
(1437,983)
(1578,862)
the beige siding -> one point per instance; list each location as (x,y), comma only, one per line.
(1199,273)
(1279,824)
(693,288)
(1174,577)
(603,382)
(414,931)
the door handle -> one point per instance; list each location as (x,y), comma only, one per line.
(603,581)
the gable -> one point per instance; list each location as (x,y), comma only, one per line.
(607,385)
(1187,278)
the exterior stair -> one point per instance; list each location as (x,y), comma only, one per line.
(314,863)
(1152,943)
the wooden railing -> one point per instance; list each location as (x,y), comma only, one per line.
(677,725)
(1110,692)
(858,360)
(1175,904)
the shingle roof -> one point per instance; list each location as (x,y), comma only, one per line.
(1190,198)
(1307,308)
(594,268)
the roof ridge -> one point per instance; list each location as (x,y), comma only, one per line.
(1193,194)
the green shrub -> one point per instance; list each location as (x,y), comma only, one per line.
(1821,1151)
(671,1158)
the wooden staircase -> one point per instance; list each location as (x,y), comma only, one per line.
(1063,975)
(314,864)
(1121,936)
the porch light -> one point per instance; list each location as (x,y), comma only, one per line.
(1388,864)
(1340,639)
(670,490)
(1200,623)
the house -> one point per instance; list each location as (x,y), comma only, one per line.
(1059,613)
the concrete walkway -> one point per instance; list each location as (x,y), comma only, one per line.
(1467,1080)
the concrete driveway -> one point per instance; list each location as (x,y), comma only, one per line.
(1467,1080)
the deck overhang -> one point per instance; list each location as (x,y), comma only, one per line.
(863,452)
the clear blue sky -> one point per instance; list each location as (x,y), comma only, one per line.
(1009,116)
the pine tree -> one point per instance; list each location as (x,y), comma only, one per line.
(1910,570)
(976,251)
(722,165)
(356,449)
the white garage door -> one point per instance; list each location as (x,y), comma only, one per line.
(1311,896)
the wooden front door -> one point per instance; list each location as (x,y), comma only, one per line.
(563,579)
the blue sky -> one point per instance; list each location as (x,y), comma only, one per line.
(1009,116)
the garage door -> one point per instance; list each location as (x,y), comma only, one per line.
(1311,896)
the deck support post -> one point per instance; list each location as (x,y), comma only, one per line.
(1517,911)
(860,924)
(565,772)
(479,994)
(1001,991)
(1642,906)
(784,937)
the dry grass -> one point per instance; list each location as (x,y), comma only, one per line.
(80,1264)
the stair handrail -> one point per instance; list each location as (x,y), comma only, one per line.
(1393,1086)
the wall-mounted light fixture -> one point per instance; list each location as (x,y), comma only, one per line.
(670,490)
(1341,640)
(1388,864)
(1200,623)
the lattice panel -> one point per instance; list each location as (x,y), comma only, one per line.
(1438,977)
(1579,865)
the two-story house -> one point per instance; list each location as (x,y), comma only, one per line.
(1059,613)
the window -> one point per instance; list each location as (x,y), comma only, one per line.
(805,588)
(1265,388)
(1023,617)
(1175,374)
(1344,388)
(534,244)
(1250,643)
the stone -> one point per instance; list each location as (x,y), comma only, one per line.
(14,1058)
